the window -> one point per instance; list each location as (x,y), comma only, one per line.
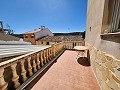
(119,25)
(41,42)
(115,19)
(32,36)
(47,43)
(26,36)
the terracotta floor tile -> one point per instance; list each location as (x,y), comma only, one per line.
(68,74)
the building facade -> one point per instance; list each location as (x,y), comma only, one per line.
(36,34)
(103,39)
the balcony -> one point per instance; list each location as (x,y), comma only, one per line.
(54,67)
(68,73)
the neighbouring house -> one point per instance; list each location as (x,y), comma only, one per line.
(103,41)
(36,34)
(48,40)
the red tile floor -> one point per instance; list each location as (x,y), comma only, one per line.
(68,73)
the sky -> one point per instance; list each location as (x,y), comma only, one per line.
(58,15)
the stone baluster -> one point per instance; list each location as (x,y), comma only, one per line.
(53,50)
(56,49)
(34,64)
(44,55)
(64,45)
(67,45)
(15,76)
(3,84)
(47,54)
(41,58)
(71,45)
(23,71)
(29,66)
(50,52)
(38,60)
(77,43)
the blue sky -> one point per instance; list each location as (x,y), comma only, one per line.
(57,15)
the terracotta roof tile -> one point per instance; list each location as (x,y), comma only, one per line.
(6,37)
(62,38)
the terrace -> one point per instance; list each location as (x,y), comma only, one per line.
(54,66)
(57,67)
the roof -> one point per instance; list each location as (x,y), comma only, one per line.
(6,37)
(35,31)
(62,38)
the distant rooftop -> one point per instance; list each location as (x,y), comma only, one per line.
(36,30)
(6,37)
(62,38)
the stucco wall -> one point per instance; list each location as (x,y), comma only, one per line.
(105,68)
(29,39)
(104,54)
(94,29)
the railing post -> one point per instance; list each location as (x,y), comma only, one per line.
(23,71)
(53,50)
(34,64)
(15,76)
(29,66)
(38,60)
(41,58)
(44,54)
(3,84)
(50,52)
(47,54)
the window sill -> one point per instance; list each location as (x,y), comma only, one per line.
(111,35)
(115,37)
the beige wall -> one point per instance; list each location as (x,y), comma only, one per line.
(105,68)
(29,39)
(95,21)
(104,54)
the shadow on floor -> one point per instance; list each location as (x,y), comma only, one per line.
(83,61)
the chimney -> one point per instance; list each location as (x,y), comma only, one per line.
(42,27)
(1,27)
